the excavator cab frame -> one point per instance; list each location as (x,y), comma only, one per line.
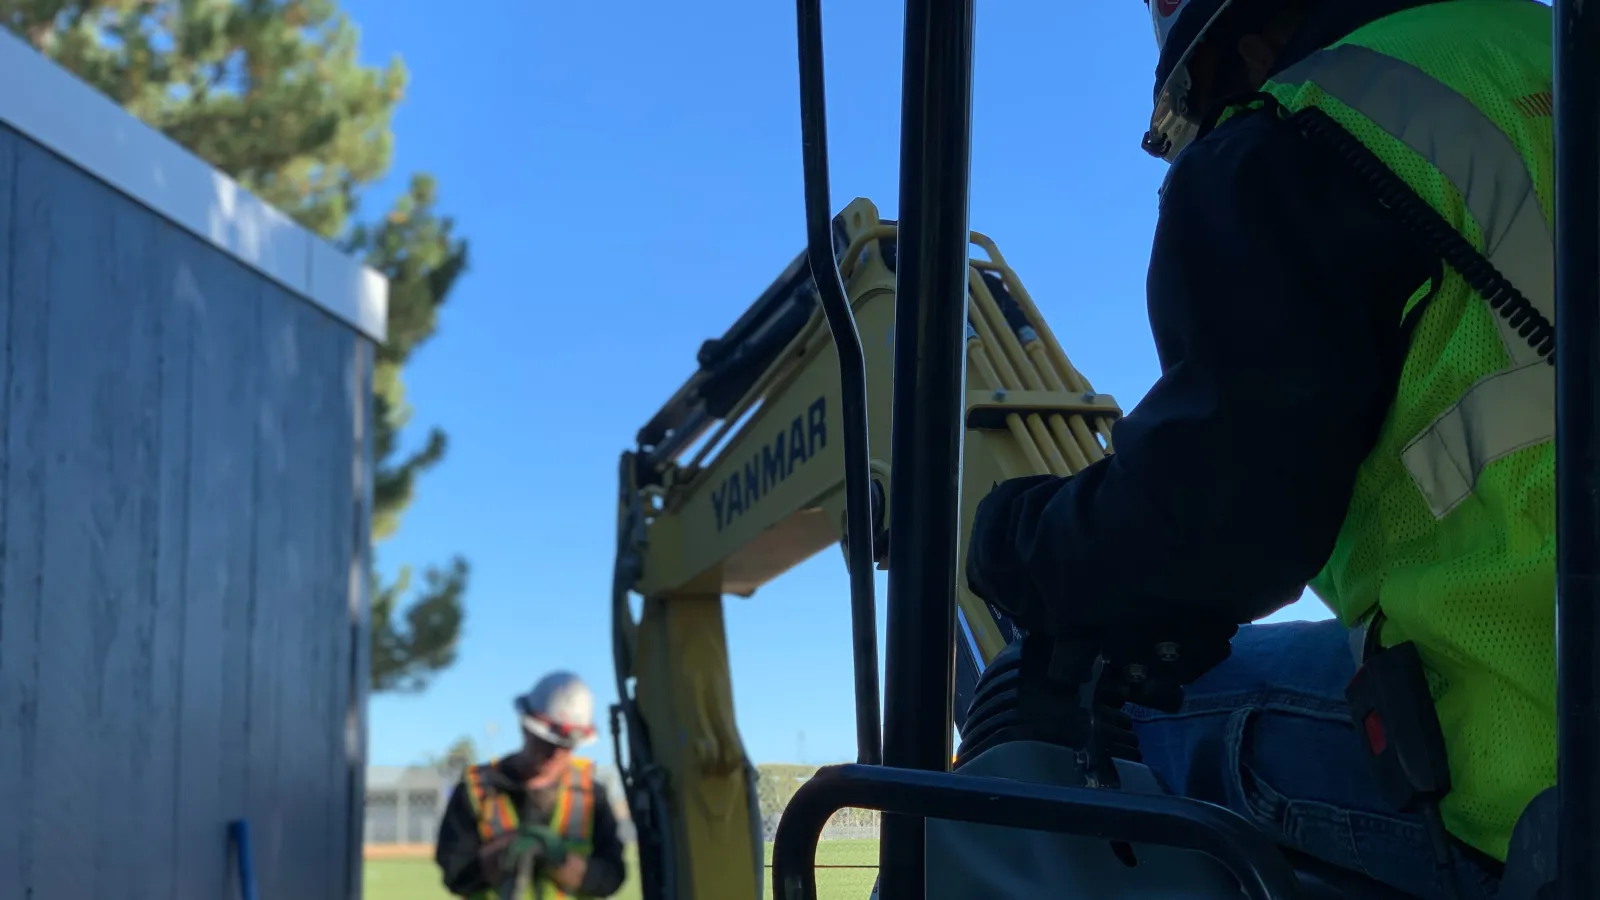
(930,316)
(684,541)
(929,422)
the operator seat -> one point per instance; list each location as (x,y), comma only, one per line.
(1022,726)
(1021,730)
(967,860)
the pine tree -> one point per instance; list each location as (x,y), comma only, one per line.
(461,755)
(273,93)
(417,250)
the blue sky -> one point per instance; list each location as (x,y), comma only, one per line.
(628,174)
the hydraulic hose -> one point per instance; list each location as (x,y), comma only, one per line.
(852,382)
(639,772)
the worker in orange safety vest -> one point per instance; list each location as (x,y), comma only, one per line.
(535,824)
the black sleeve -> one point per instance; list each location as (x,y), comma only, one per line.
(456,851)
(1276,289)
(607,868)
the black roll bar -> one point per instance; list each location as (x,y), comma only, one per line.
(1244,850)
(930,327)
(859,524)
(1577,239)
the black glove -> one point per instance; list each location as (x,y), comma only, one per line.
(994,570)
(538,844)
(1148,665)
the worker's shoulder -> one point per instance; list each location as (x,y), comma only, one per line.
(1252,163)
(586,770)
(591,776)
(483,769)
(481,779)
(1244,141)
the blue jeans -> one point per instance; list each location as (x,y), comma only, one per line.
(1267,734)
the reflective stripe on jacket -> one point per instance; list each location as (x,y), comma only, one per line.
(1451,527)
(572,817)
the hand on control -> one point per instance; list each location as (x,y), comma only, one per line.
(995,572)
(1151,669)
(1150,656)
(538,841)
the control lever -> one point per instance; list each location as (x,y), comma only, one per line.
(1149,670)
(1070,691)
(1077,668)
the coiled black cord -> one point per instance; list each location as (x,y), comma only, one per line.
(1480,274)
(1397,196)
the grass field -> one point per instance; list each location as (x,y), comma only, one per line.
(417,879)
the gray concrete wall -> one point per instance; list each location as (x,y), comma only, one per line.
(183,530)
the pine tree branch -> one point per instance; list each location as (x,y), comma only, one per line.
(409,649)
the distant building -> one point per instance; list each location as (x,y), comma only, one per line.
(405,803)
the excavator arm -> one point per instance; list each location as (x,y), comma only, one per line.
(740,477)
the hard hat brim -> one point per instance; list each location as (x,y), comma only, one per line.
(1173,123)
(544,732)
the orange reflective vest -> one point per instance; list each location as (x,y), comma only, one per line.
(572,818)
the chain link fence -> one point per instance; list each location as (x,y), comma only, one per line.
(778,782)
(846,825)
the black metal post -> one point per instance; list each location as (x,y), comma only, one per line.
(1156,819)
(930,324)
(1577,214)
(852,382)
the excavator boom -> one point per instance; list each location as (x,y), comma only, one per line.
(740,477)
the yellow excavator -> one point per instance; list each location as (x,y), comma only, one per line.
(779,447)
(741,476)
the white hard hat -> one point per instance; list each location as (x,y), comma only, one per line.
(1180,26)
(559,710)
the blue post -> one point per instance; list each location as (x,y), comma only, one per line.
(239,837)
